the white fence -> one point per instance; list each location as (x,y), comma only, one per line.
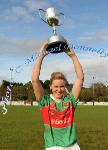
(18,103)
(95,103)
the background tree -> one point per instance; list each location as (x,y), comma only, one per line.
(100,91)
(46,87)
(86,95)
(25,91)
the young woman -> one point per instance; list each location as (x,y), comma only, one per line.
(58,108)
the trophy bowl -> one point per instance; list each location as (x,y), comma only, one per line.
(53,21)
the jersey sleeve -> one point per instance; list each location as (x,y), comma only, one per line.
(43,101)
(74,102)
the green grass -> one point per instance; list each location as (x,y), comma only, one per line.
(22,128)
(92,126)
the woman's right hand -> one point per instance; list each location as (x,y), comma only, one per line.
(43,51)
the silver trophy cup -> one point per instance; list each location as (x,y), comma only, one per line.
(51,16)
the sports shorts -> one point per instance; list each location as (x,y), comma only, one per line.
(72,147)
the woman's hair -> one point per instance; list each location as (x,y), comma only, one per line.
(58,75)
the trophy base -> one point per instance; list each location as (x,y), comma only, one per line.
(57,47)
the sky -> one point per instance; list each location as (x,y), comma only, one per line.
(22,33)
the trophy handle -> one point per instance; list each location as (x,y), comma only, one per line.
(63,18)
(41,13)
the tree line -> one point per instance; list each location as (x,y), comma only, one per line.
(97,91)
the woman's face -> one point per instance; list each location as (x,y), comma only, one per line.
(58,88)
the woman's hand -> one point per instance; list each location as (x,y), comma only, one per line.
(43,51)
(70,52)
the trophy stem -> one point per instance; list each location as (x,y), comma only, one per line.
(54,30)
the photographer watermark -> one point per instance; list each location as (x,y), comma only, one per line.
(18,69)
(101,51)
(5,99)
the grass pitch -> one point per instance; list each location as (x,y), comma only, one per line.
(22,128)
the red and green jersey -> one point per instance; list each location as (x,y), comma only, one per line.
(59,126)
